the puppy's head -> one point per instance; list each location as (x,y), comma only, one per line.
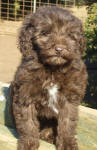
(52,35)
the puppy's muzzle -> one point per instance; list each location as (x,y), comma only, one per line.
(59,48)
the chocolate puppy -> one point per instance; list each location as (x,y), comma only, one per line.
(51,80)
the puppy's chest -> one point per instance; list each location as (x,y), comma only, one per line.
(52,96)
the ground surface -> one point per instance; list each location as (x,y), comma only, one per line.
(9,53)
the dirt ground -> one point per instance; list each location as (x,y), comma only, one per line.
(9,53)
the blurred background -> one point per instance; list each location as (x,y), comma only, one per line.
(13,12)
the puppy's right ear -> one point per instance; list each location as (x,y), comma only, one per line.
(26,35)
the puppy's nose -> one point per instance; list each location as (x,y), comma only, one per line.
(59,48)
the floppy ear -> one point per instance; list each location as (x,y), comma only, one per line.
(83,45)
(80,38)
(82,42)
(25,37)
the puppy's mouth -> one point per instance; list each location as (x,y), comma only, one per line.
(59,56)
(56,60)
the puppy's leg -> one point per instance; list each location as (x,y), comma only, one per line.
(27,126)
(48,129)
(47,135)
(67,123)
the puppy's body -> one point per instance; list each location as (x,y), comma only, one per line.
(51,80)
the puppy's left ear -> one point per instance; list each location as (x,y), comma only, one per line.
(82,42)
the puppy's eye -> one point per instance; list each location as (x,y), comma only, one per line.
(45,33)
(74,35)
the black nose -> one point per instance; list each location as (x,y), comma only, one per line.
(59,48)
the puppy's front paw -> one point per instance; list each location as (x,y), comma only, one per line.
(28,143)
(71,147)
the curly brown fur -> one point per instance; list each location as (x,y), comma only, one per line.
(51,80)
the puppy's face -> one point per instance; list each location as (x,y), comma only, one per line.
(57,41)
(55,47)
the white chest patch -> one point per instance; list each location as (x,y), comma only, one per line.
(53,91)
